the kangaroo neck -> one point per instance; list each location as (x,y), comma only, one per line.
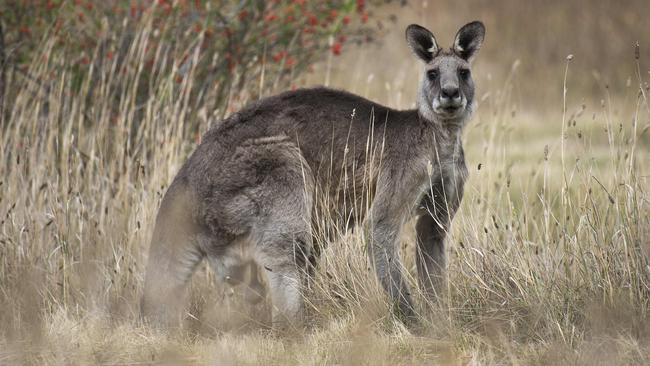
(442,130)
(444,140)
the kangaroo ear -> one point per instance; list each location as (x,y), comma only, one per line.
(469,40)
(422,42)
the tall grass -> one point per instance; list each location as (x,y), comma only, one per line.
(548,260)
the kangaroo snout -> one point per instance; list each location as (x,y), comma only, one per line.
(450,94)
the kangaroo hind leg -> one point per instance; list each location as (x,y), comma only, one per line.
(282,233)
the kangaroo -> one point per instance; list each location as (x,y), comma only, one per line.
(247,192)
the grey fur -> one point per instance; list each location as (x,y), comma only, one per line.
(248,191)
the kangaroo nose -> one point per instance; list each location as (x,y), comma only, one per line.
(450,92)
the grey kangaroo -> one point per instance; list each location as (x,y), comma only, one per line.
(247,194)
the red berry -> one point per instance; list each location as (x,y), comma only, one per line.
(25,30)
(271,17)
(312,20)
(279,56)
(364,17)
(361,4)
(336,48)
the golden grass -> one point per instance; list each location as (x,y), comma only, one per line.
(548,259)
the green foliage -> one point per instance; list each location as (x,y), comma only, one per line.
(232,49)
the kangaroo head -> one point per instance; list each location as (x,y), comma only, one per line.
(447,90)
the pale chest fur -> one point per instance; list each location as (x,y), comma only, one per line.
(446,173)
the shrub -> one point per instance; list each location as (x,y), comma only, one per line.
(233,50)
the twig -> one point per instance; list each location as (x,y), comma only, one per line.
(2,75)
(609,196)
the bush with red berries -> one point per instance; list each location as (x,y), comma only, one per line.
(227,48)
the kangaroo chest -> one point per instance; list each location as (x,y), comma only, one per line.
(445,180)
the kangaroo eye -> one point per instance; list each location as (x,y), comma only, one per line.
(433,74)
(464,73)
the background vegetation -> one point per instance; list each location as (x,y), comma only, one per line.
(549,254)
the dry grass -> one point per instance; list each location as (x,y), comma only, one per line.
(549,259)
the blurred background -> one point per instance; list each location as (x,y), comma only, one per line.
(537,36)
(101,102)
(293,37)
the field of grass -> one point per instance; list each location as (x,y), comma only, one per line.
(548,260)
